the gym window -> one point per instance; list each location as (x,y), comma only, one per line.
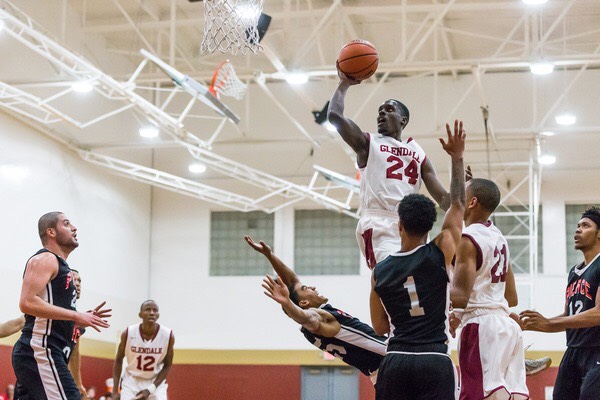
(230,255)
(325,243)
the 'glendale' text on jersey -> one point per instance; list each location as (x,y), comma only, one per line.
(393,170)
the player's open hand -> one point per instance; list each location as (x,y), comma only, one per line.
(534,321)
(101,312)
(90,319)
(454,323)
(261,246)
(455,146)
(276,290)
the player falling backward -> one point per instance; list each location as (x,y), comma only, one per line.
(323,325)
(148,349)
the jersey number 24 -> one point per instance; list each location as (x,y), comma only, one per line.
(411,171)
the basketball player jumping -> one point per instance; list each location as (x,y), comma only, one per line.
(323,325)
(491,343)
(390,169)
(148,349)
(410,293)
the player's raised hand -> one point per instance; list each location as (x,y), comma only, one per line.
(90,319)
(261,246)
(100,312)
(345,78)
(455,146)
(276,290)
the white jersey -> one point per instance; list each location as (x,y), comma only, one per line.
(145,357)
(393,171)
(492,266)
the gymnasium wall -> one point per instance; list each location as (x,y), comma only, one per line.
(112,215)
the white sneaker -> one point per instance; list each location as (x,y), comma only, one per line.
(533,367)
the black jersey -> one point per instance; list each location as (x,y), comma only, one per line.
(414,289)
(356,343)
(60,292)
(581,296)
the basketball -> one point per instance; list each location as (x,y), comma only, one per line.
(358,59)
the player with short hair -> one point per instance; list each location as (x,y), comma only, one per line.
(48,297)
(579,371)
(410,293)
(491,343)
(390,169)
(148,350)
(324,326)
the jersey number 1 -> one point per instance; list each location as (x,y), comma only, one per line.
(415,308)
(411,170)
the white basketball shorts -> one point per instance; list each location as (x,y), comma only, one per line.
(131,386)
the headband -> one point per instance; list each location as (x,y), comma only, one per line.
(593,216)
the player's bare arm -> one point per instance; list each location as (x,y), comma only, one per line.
(379,318)
(118,366)
(510,291)
(464,273)
(12,326)
(449,237)
(75,368)
(434,186)
(534,321)
(315,321)
(348,130)
(162,375)
(40,270)
(287,275)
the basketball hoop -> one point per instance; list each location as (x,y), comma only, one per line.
(231,25)
(225,82)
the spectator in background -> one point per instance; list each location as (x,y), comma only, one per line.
(10,393)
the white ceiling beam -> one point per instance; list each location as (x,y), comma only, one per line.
(135,27)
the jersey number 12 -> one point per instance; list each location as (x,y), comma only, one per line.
(148,363)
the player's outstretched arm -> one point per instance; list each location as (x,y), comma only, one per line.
(287,275)
(348,130)
(320,323)
(12,326)
(534,321)
(118,366)
(379,318)
(434,186)
(449,237)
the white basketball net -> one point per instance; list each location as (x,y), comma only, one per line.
(231,25)
(225,82)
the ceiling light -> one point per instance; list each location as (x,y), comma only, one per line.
(197,168)
(547,133)
(535,2)
(296,78)
(565,119)
(541,68)
(1,24)
(247,12)
(82,86)
(149,132)
(547,159)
